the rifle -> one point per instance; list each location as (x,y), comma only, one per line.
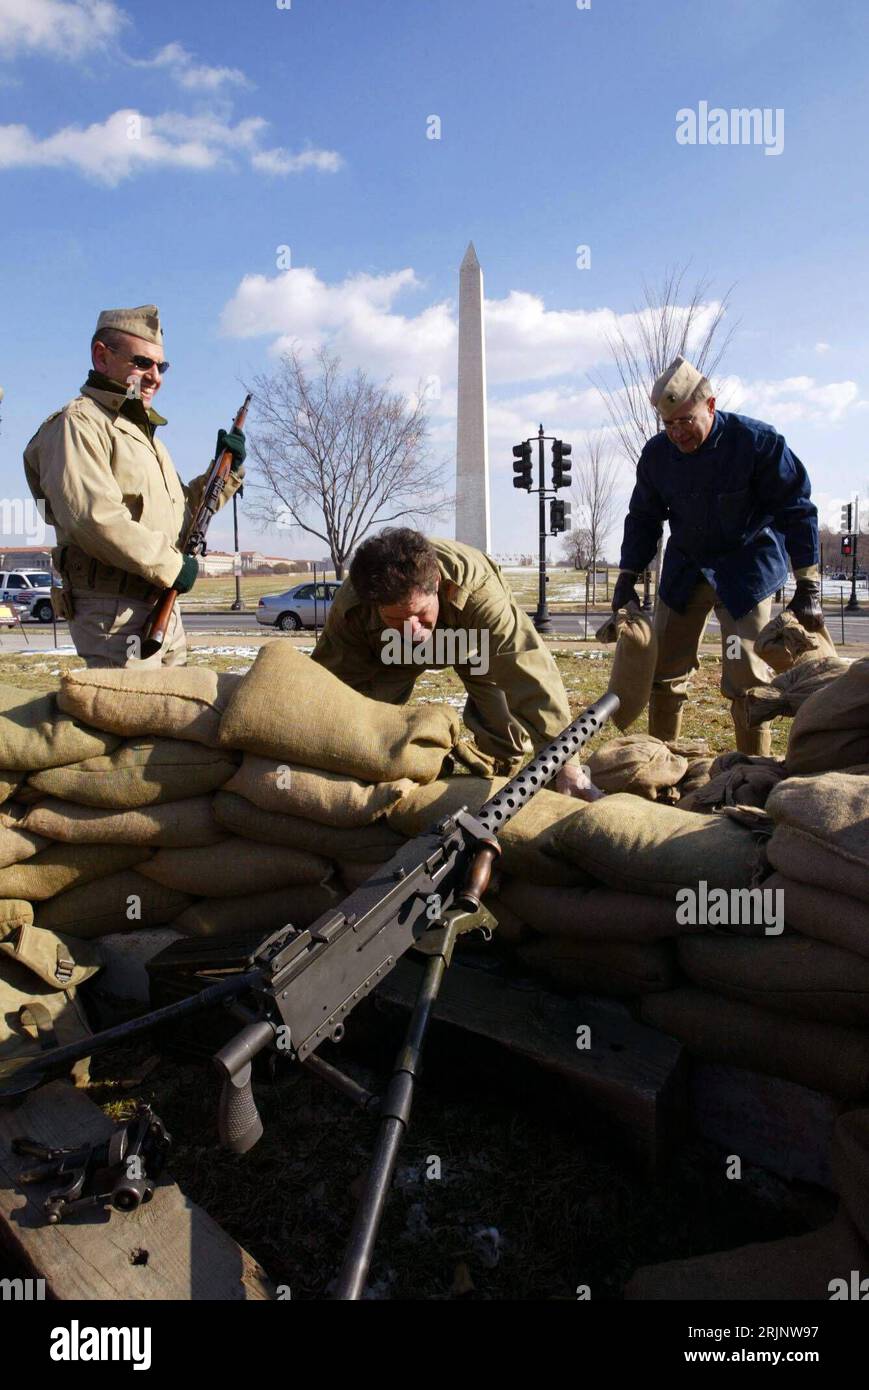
(294,989)
(194,542)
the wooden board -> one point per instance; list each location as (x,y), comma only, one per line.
(635,1075)
(89,1257)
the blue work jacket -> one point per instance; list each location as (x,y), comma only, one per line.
(737,508)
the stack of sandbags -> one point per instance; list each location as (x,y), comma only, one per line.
(735,779)
(831,729)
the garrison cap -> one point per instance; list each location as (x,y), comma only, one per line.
(674,386)
(143,322)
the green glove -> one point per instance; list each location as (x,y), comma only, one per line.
(806,605)
(187,574)
(624,592)
(234,441)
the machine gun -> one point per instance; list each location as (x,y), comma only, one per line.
(295,989)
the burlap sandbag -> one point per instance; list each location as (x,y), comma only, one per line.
(60,867)
(9,784)
(327,797)
(831,729)
(808,979)
(233,867)
(172,823)
(698,774)
(526,841)
(143,772)
(784,641)
(34,734)
(646,848)
(368,843)
(636,763)
(633,663)
(59,1013)
(291,708)
(850,1162)
(593,914)
(170,702)
(796,1269)
(122,902)
(822,830)
(824,914)
(745,780)
(788,691)
(265,912)
(14,813)
(17,844)
(620,970)
(823,1056)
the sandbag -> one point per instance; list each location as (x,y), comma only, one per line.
(122,902)
(822,830)
(143,772)
(633,663)
(823,1056)
(823,914)
(369,843)
(265,912)
(619,970)
(60,961)
(646,848)
(526,841)
(698,774)
(784,641)
(184,702)
(17,844)
(850,1163)
(326,797)
(171,823)
(743,781)
(291,708)
(637,763)
(788,691)
(592,914)
(60,867)
(9,784)
(831,729)
(233,867)
(35,735)
(808,979)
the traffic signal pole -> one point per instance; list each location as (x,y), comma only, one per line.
(852,604)
(542,621)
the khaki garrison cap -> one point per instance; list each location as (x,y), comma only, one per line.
(143,322)
(674,386)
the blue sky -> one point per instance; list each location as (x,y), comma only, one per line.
(261,126)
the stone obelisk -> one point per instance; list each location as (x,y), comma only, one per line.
(472,442)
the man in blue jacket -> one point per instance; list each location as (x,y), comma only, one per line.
(738,503)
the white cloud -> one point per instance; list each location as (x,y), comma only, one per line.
(195,77)
(822,347)
(795,398)
(278,161)
(128,142)
(60,28)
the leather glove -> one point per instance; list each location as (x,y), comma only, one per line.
(806,605)
(234,441)
(624,592)
(187,574)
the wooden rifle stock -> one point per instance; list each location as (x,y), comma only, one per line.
(194,544)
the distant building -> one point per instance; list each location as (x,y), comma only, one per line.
(26,557)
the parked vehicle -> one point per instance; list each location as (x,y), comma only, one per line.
(30,591)
(306,605)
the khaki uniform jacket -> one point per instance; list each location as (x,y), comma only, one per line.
(110,486)
(517,706)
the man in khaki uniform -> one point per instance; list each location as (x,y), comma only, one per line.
(111,492)
(453,599)
(738,503)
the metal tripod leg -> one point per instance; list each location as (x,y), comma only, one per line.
(395,1114)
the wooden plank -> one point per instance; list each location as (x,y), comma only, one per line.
(635,1075)
(188,1255)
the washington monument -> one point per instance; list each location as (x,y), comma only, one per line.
(472,445)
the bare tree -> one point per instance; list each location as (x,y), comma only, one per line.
(576,547)
(595,495)
(664,328)
(339,455)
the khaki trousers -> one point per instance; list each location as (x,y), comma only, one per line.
(679,636)
(106,631)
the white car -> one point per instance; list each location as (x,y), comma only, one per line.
(30,591)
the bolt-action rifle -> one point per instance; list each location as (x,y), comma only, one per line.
(294,989)
(194,542)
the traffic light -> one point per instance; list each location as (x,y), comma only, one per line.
(845,523)
(847,545)
(561,463)
(522,465)
(559,516)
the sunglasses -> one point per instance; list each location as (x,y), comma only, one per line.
(144,363)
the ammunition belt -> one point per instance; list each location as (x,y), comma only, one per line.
(82,571)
